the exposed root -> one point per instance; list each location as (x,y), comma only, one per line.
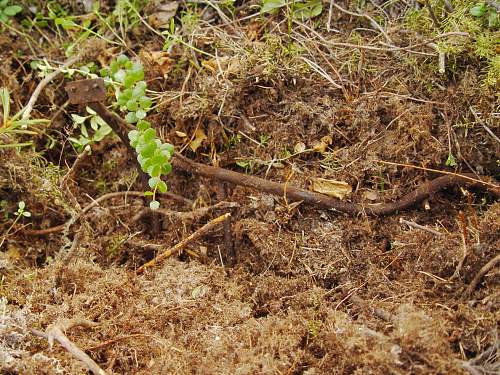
(423,192)
(55,331)
(60,228)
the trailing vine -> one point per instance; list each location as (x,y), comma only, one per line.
(152,154)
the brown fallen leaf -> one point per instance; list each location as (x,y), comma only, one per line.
(160,18)
(199,137)
(160,60)
(332,188)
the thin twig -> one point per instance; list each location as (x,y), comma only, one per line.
(60,228)
(465,177)
(44,82)
(488,130)
(421,227)
(76,165)
(181,245)
(463,235)
(372,21)
(483,271)
(194,215)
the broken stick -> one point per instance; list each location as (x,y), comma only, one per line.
(181,245)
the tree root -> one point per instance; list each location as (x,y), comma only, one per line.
(423,192)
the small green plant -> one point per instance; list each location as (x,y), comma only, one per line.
(451,161)
(15,125)
(487,13)
(21,212)
(98,125)
(152,154)
(7,10)
(301,10)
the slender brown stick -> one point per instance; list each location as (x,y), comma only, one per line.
(423,192)
(181,245)
(483,271)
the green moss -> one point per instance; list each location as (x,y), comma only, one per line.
(481,44)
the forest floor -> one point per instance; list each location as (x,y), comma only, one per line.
(368,100)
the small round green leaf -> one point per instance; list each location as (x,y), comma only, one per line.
(145,102)
(131,117)
(132,105)
(133,135)
(143,125)
(154,205)
(153,181)
(122,59)
(12,10)
(166,168)
(140,114)
(149,134)
(162,187)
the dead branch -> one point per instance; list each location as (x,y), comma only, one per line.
(55,331)
(181,245)
(483,271)
(189,216)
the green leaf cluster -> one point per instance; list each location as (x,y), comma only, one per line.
(14,125)
(152,154)
(301,10)
(7,10)
(132,96)
(100,129)
(486,12)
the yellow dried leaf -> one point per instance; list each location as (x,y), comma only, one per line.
(210,65)
(332,188)
(199,137)
(323,144)
(299,147)
(371,195)
(14,253)
(181,134)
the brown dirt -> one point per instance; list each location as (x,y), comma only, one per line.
(307,291)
